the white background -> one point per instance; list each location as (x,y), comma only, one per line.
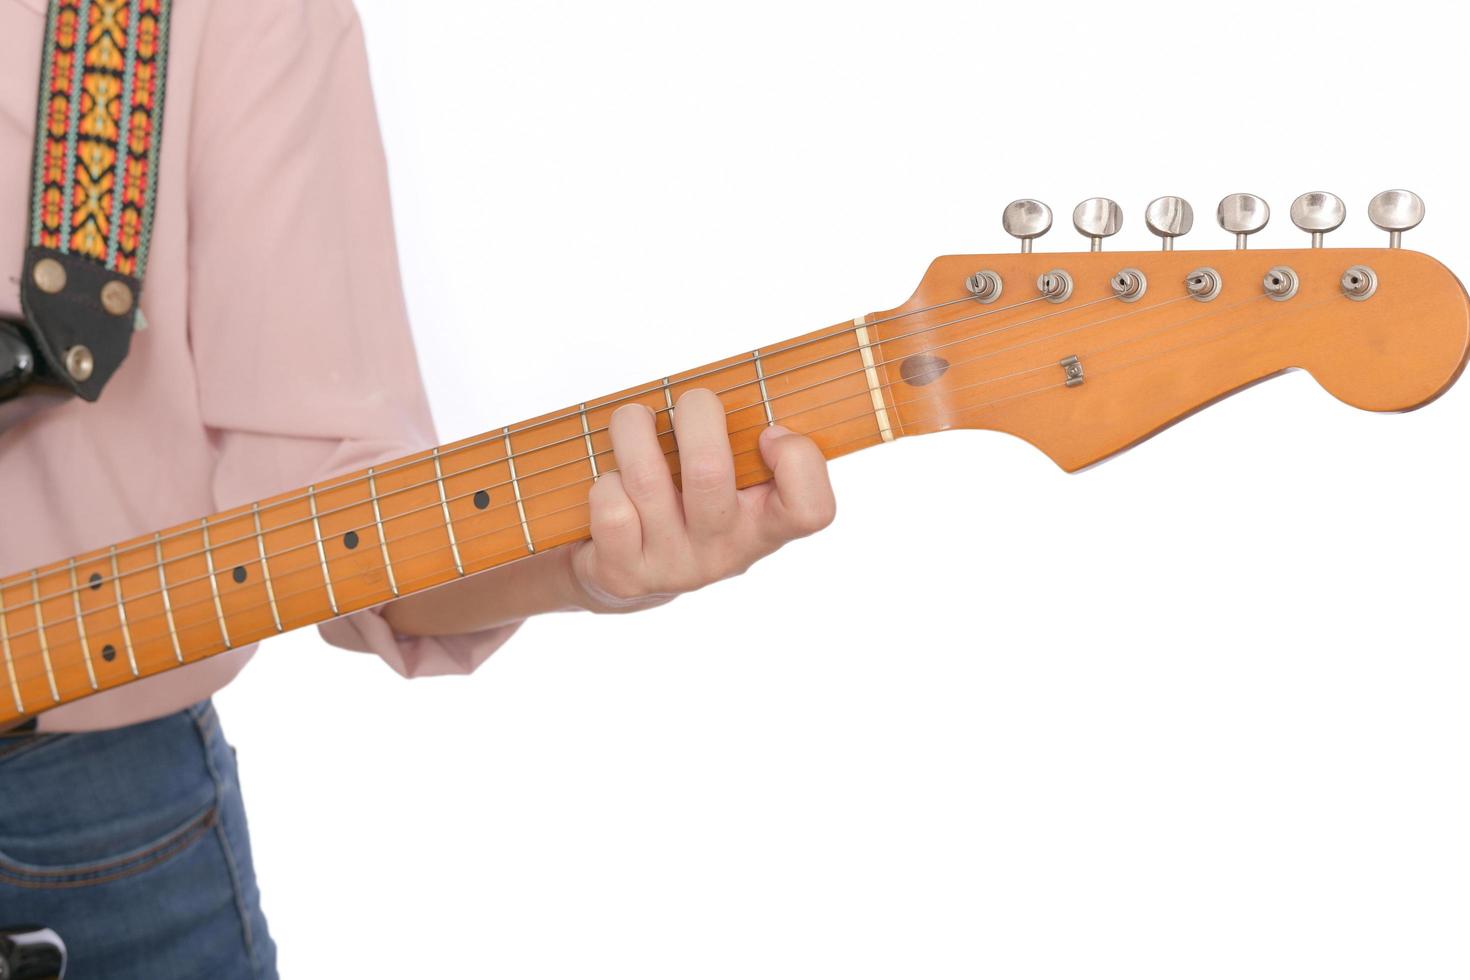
(1198,712)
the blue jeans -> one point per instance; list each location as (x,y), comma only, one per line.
(132,845)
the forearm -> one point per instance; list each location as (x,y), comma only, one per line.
(539,584)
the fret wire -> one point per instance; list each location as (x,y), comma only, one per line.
(515,483)
(448,522)
(41,634)
(587,435)
(122,612)
(382,535)
(76,604)
(669,400)
(9,663)
(760,377)
(321,549)
(219,609)
(265,568)
(870,369)
(168,603)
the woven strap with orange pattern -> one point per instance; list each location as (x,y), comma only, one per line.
(95,175)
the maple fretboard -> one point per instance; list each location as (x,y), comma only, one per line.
(113,616)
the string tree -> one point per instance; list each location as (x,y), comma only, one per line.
(1242,215)
(1396,212)
(1169,218)
(1097,218)
(1026,219)
(1318,213)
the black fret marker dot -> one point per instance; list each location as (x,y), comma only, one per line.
(109,653)
(240,574)
(350,539)
(482,500)
(95,581)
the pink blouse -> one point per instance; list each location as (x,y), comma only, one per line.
(277,351)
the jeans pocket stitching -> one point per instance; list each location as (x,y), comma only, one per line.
(206,721)
(135,862)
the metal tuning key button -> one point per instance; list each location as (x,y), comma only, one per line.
(1396,212)
(1243,215)
(1317,213)
(1169,218)
(1027,220)
(1097,218)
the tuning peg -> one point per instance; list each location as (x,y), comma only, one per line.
(1396,212)
(1027,220)
(1318,212)
(1169,217)
(1097,218)
(1242,215)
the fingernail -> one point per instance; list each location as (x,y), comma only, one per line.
(628,406)
(778,430)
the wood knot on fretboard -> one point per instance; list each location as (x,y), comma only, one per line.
(923,369)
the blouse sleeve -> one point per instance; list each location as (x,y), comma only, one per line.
(297,323)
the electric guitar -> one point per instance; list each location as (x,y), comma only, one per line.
(1080,354)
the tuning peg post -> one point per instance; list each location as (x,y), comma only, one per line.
(1243,215)
(1318,212)
(1169,218)
(1097,218)
(1396,212)
(1027,220)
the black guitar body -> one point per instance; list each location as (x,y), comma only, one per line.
(31,953)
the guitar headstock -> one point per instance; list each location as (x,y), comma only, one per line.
(1086,353)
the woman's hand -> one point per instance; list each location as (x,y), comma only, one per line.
(651,541)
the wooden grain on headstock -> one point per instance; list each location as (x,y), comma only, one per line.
(1148,363)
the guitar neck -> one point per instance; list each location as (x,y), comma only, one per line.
(110,617)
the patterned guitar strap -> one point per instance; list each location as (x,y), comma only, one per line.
(93,185)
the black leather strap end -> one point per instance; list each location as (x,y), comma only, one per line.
(75,315)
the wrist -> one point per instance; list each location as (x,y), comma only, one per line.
(586,593)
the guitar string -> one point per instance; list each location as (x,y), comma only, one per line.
(444,547)
(329,486)
(348,480)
